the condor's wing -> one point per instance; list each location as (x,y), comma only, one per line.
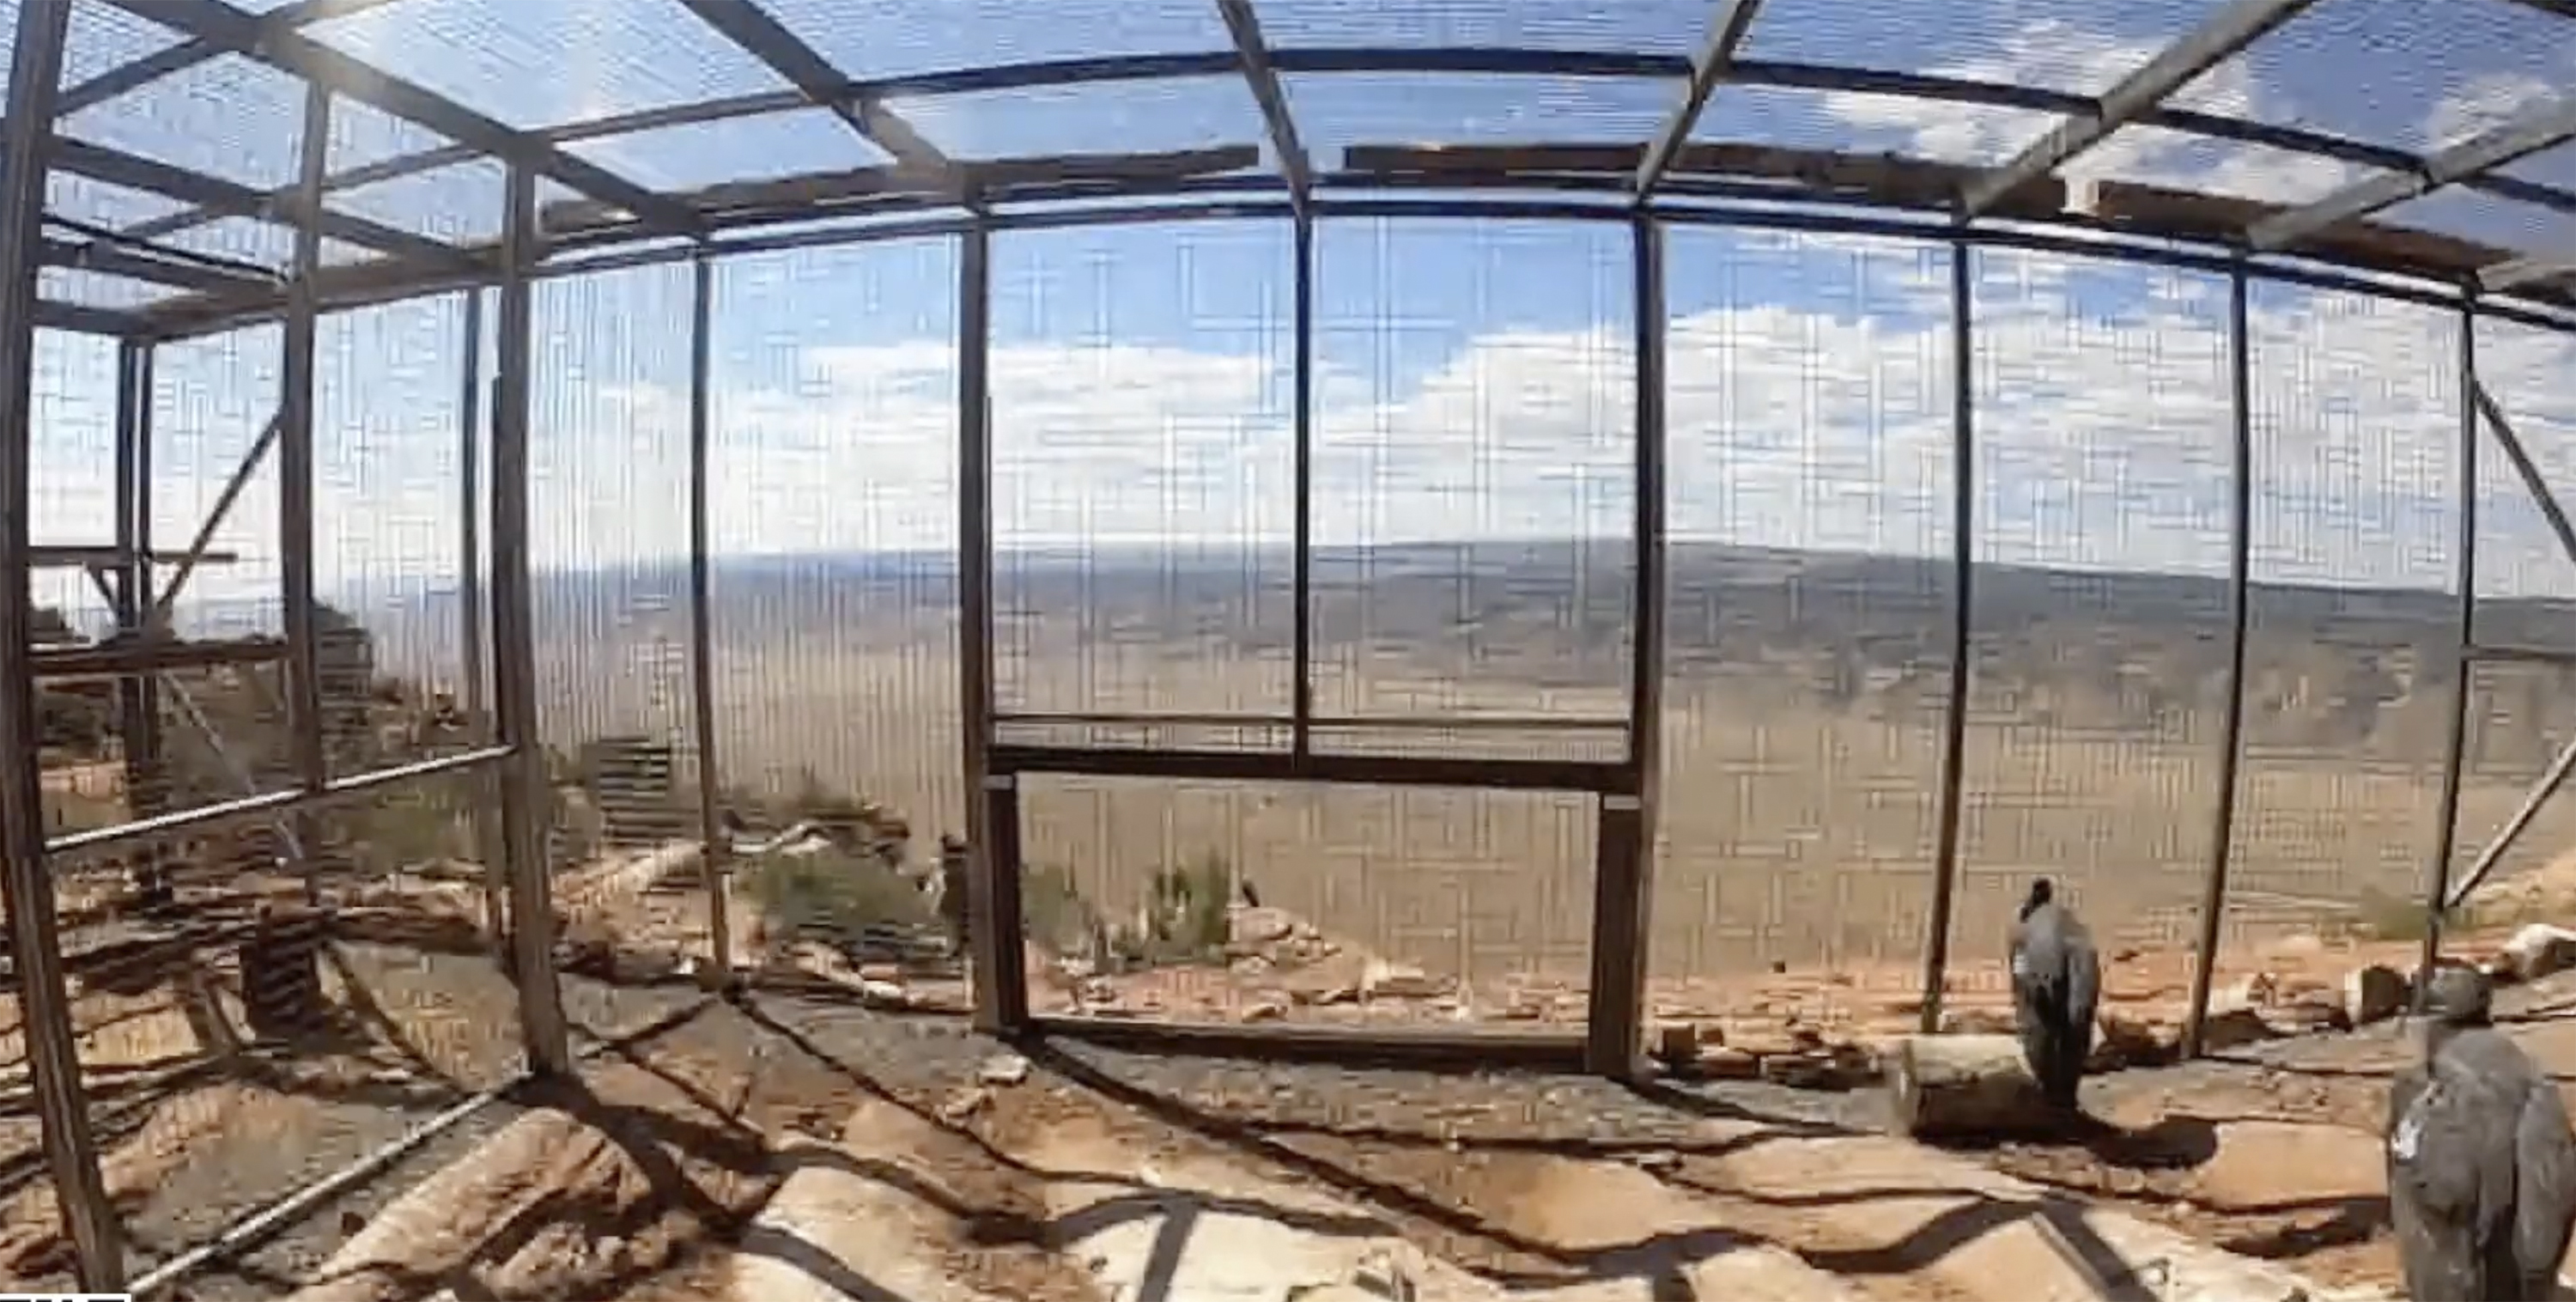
(2544,1194)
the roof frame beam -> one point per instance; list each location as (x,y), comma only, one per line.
(2527,133)
(763,37)
(2518,273)
(129,77)
(1715,60)
(109,260)
(1261,76)
(300,55)
(1125,68)
(233,199)
(2221,36)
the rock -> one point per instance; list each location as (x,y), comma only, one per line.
(1003,1069)
(1250,925)
(2306,1017)
(2128,1040)
(1677,1043)
(1727,1063)
(963,1104)
(1976,1021)
(2233,1028)
(1384,979)
(2272,1165)
(2373,993)
(2261,990)
(2535,951)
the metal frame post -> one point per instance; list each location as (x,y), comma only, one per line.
(714,853)
(1963,576)
(992,799)
(524,780)
(26,875)
(138,695)
(295,486)
(1623,883)
(1301,692)
(2455,749)
(2240,577)
(473,608)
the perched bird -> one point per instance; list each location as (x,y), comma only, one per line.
(2056,981)
(2481,1164)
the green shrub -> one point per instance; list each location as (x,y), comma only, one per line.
(1053,912)
(833,894)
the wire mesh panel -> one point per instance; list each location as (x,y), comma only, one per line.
(609,483)
(1290,902)
(71,442)
(1808,585)
(1144,482)
(2349,677)
(2520,712)
(409,873)
(2100,606)
(833,583)
(165,945)
(1475,488)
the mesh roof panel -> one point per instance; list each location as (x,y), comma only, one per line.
(700,154)
(1647,26)
(2076,46)
(1338,110)
(542,64)
(868,39)
(638,104)
(1116,117)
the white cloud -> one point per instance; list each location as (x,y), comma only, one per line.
(1823,422)
(2057,52)
(2482,103)
(2102,425)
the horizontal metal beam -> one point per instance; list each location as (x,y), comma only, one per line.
(2523,273)
(2204,243)
(126,78)
(1188,764)
(2222,35)
(1725,32)
(249,811)
(1470,61)
(84,320)
(233,199)
(768,40)
(2528,133)
(1489,1049)
(292,52)
(111,260)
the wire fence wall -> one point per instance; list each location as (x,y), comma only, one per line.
(1247,623)
(1806,704)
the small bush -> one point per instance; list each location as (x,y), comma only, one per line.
(2380,915)
(834,896)
(1185,918)
(1053,912)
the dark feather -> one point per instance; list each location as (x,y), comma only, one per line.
(2056,984)
(2481,1162)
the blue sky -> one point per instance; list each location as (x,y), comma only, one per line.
(1473,377)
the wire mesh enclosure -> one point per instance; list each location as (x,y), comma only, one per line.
(1447,530)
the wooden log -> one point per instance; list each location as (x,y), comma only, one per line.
(1964,1085)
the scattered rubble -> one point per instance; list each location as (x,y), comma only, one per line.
(2534,951)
